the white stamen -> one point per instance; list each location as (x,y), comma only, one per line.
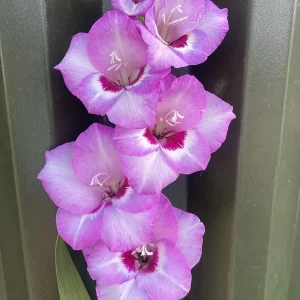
(163,16)
(143,251)
(178,8)
(171,118)
(95,180)
(116,62)
(178,21)
(114,55)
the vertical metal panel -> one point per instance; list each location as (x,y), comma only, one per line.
(249,194)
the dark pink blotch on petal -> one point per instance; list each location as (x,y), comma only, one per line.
(109,86)
(175,141)
(122,190)
(129,261)
(180,43)
(150,137)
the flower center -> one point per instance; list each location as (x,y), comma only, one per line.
(143,254)
(172,118)
(120,72)
(111,188)
(165,126)
(166,21)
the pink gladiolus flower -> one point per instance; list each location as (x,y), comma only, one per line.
(132,7)
(85,180)
(107,70)
(190,124)
(182,33)
(160,269)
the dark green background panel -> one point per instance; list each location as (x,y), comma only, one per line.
(248,197)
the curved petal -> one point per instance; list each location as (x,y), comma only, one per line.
(190,49)
(187,97)
(127,290)
(137,142)
(190,239)
(193,48)
(168,81)
(134,111)
(111,267)
(95,153)
(79,231)
(159,54)
(132,202)
(147,80)
(186,152)
(215,121)
(170,278)
(154,14)
(124,231)
(214,24)
(63,187)
(76,64)
(98,94)
(166,225)
(87,252)
(148,174)
(132,7)
(113,39)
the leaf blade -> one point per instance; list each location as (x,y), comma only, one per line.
(70,285)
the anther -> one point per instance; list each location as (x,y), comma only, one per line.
(171,118)
(95,180)
(116,62)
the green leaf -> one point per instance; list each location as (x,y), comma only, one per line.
(70,285)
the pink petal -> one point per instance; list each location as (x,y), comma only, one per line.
(214,24)
(159,54)
(87,252)
(137,142)
(110,267)
(123,231)
(190,238)
(95,152)
(186,152)
(132,7)
(133,202)
(79,231)
(190,49)
(98,94)
(126,291)
(76,65)
(193,48)
(168,81)
(166,225)
(188,98)
(152,15)
(116,32)
(134,111)
(63,187)
(215,121)
(148,174)
(147,80)
(171,278)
